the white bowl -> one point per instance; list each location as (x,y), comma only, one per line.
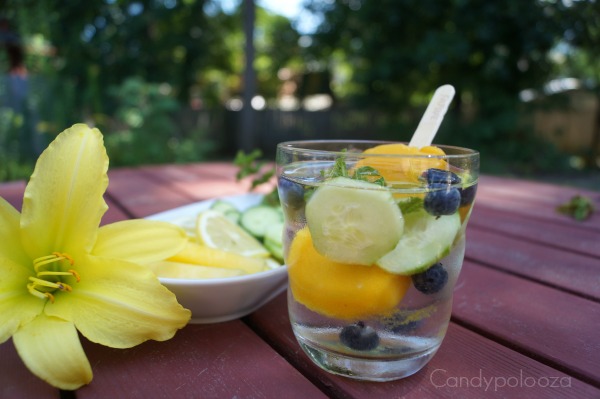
(223,299)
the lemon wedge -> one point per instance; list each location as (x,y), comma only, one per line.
(215,230)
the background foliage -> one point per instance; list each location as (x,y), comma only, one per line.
(138,69)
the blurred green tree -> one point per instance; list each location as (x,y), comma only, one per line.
(581,58)
(395,53)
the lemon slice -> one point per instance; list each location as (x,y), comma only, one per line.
(215,230)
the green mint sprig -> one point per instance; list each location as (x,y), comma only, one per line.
(365,173)
(578,207)
(251,165)
(410,204)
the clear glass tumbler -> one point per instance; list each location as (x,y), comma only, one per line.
(374,241)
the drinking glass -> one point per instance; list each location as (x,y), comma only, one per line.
(374,241)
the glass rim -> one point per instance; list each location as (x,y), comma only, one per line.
(297,147)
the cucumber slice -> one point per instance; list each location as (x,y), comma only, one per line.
(227,209)
(274,241)
(426,240)
(257,219)
(353,221)
(223,206)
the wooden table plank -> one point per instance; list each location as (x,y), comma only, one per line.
(201,361)
(560,328)
(141,195)
(224,171)
(569,271)
(13,192)
(540,191)
(463,354)
(508,327)
(534,200)
(203,181)
(557,235)
(16,381)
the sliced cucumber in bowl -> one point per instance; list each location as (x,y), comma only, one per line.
(257,219)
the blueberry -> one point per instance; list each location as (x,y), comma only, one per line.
(467,195)
(359,337)
(431,280)
(442,200)
(291,193)
(434,175)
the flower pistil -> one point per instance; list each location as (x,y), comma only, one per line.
(48,280)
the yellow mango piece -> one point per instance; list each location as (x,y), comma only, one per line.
(341,290)
(198,254)
(190,271)
(397,170)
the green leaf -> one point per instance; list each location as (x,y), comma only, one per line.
(370,174)
(578,207)
(339,168)
(248,163)
(410,204)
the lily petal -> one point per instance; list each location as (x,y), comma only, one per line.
(119,304)
(63,203)
(139,241)
(9,235)
(50,348)
(17,306)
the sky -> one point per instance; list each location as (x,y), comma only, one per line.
(288,8)
(291,9)
(306,22)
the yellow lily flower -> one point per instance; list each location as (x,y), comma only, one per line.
(61,273)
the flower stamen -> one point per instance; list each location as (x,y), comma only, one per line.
(55,257)
(75,274)
(44,283)
(67,273)
(49,280)
(39,294)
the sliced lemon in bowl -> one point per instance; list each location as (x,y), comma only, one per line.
(215,230)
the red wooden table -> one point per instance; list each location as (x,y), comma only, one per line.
(525,323)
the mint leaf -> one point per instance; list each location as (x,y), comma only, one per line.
(370,174)
(578,207)
(248,164)
(339,168)
(251,165)
(410,204)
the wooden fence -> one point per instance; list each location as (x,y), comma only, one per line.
(570,128)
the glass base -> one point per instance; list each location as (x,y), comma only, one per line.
(368,369)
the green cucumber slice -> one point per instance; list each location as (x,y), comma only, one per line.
(258,218)
(227,209)
(274,240)
(426,240)
(223,206)
(353,221)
